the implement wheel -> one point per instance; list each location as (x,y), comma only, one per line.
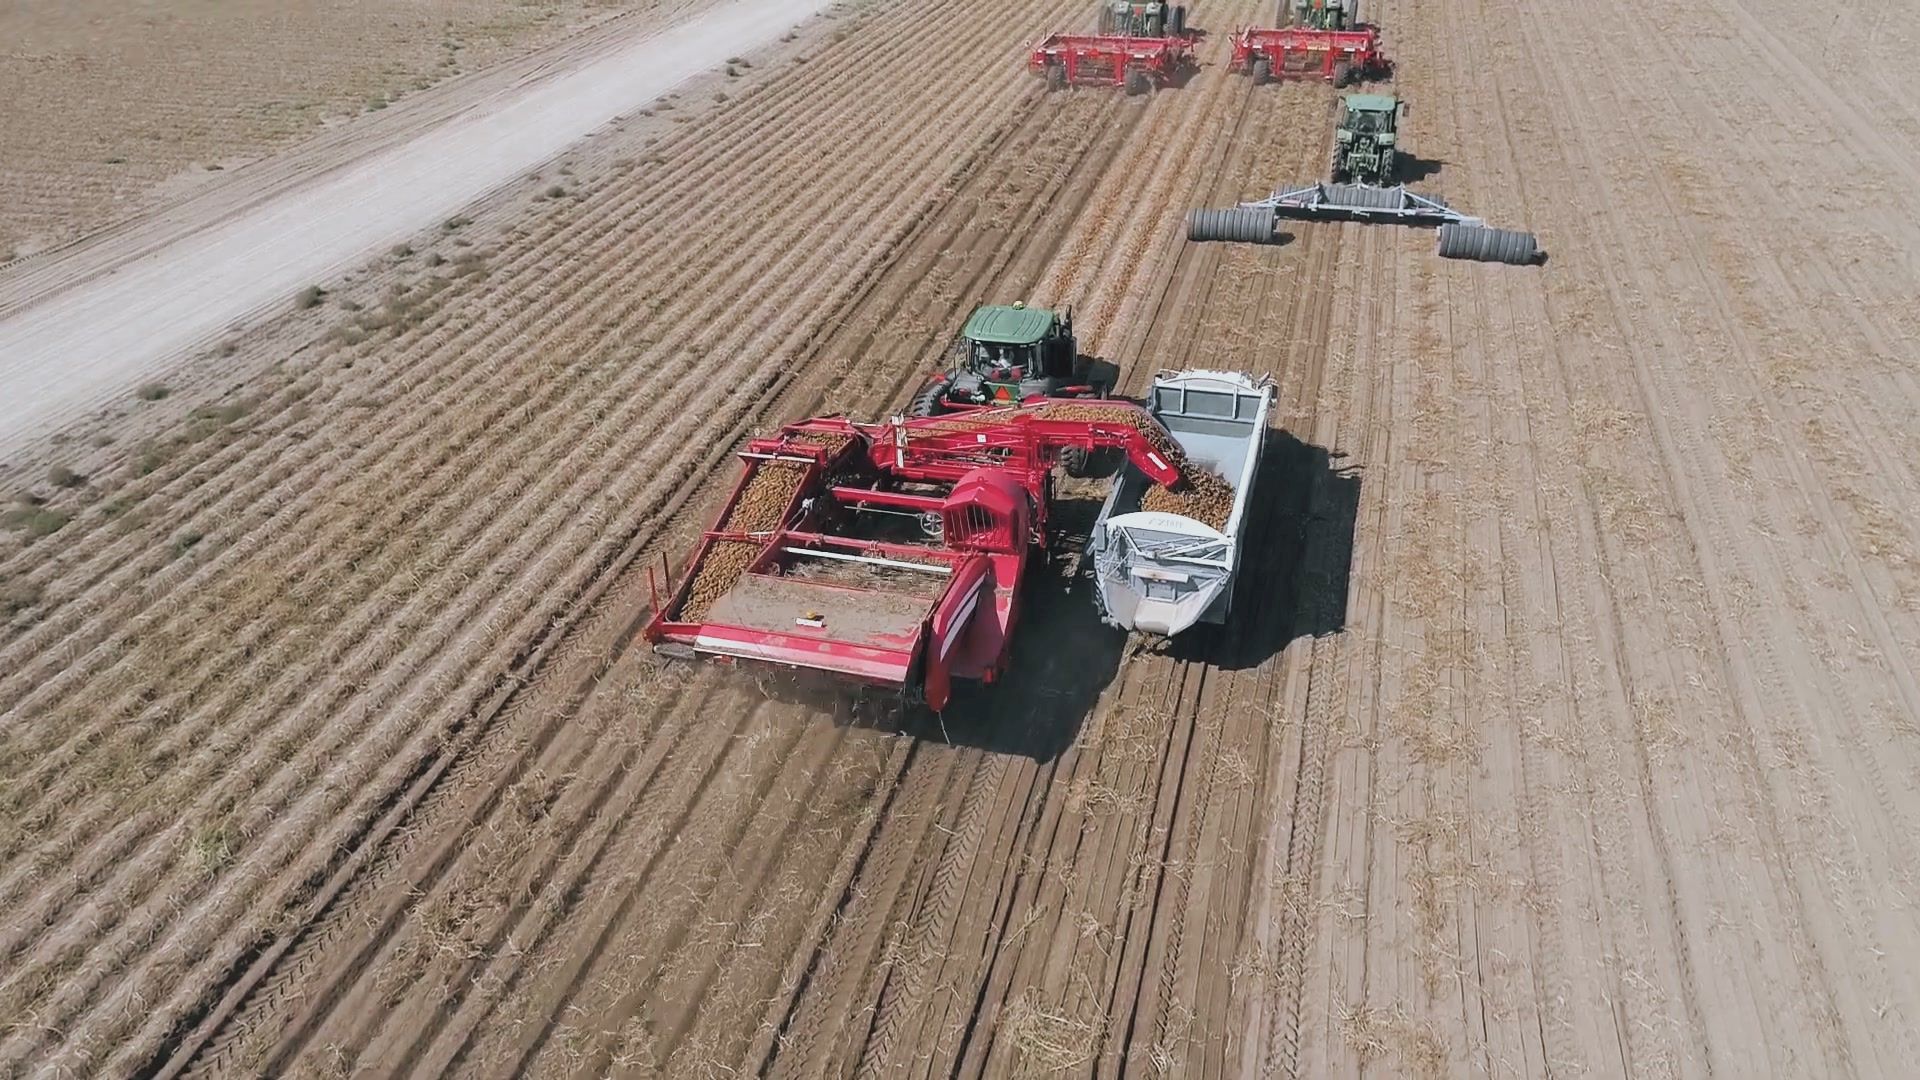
(1056,77)
(1262,70)
(1343,75)
(1138,83)
(1235,225)
(1483,244)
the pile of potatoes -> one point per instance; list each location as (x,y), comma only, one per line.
(1200,493)
(761,507)
(763,503)
(719,572)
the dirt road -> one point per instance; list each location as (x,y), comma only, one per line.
(102,321)
(1571,729)
(115,108)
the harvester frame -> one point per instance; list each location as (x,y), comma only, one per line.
(1283,53)
(1140,64)
(978,486)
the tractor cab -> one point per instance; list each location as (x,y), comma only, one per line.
(1005,354)
(1371,114)
(1326,14)
(1142,18)
(1016,351)
(1364,142)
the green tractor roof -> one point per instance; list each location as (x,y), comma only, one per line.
(1372,103)
(1008,325)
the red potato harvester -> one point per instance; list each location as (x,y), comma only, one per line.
(889,554)
(1139,64)
(1342,57)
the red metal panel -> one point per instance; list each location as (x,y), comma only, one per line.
(1293,52)
(886,667)
(1105,59)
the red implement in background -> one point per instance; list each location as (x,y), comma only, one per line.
(1137,63)
(1295,52)
(894,558)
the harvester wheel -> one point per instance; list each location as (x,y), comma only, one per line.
(1056,77)
(1138,83)
(1262,70)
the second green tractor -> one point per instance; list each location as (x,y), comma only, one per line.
(1364,143)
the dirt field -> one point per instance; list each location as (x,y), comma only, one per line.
(111,103)
(1571,730)
(83,328)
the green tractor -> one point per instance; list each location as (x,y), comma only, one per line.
(1363,143)
(1326,14)
(1006,354)
(1142,18)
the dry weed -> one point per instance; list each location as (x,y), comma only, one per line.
(1416,1046)
(210,849)
(1236,771)
(1656,720)
(1095,798)
(1046,1038)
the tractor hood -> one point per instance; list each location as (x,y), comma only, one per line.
(1006,325)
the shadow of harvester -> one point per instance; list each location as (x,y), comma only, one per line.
(1296,557)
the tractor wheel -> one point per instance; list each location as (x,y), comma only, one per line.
(1106,20)
(1138,83)
(930,401)
(1074,460)
(1179,20)
(1056,77)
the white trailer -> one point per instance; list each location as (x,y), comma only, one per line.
(1161,573)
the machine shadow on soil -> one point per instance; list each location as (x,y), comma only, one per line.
(1299,554)
(1066,657)
(1412,168)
